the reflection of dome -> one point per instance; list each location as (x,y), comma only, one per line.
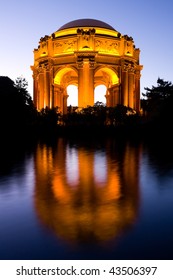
(85,209)
(86,23)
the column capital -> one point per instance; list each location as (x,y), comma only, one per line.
(86,60)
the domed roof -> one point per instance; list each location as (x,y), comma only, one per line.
(87,22)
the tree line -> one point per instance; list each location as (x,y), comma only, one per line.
(18,113)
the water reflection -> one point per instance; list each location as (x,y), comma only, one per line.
(84,194)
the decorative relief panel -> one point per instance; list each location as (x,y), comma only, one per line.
(66,46)
(42,49)
(129,48)
(107,46)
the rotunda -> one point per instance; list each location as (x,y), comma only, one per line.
(86,53)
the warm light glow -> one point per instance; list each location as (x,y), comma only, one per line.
(60,74)
(72,92)
(86,57)
(82,193)
(100,169)
(72,168)
(72,31)
(111,75)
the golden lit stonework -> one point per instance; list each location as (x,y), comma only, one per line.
(86,53)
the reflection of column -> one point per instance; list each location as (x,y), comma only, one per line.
(130,173)
(131,90)
(86,84)
(86,171)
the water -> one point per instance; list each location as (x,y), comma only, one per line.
(86,200)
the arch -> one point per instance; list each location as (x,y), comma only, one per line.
(66,76)
(107,76)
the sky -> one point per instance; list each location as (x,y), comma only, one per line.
(149,22)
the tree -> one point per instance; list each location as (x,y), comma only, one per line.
(16,106)
(158,102)
(25,103)
(162,91)
(120,114)
(49,117)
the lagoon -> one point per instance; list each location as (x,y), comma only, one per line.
(86,199)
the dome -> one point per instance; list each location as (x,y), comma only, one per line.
(86,23)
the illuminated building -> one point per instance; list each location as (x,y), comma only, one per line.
(86,53)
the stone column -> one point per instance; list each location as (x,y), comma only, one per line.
(51,86)
(131,89)
(85,83)
(41,91)
(46,88)
(107,96)
(58,98)
(124,83)
(65,96)
(52,92)
(35,90)
(111,97)
(137,92)
(116,95)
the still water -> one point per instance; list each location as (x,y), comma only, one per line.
(86,200)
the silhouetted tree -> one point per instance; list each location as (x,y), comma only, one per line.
(25,103)
(49,117)
(120,114)
(100,115)
(158,102)
(16,106)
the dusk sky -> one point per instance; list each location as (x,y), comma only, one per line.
(149,22)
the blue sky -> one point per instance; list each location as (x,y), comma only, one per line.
(149,22)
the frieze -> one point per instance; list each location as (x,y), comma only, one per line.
(86,54)
(107,46)
(65,46)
